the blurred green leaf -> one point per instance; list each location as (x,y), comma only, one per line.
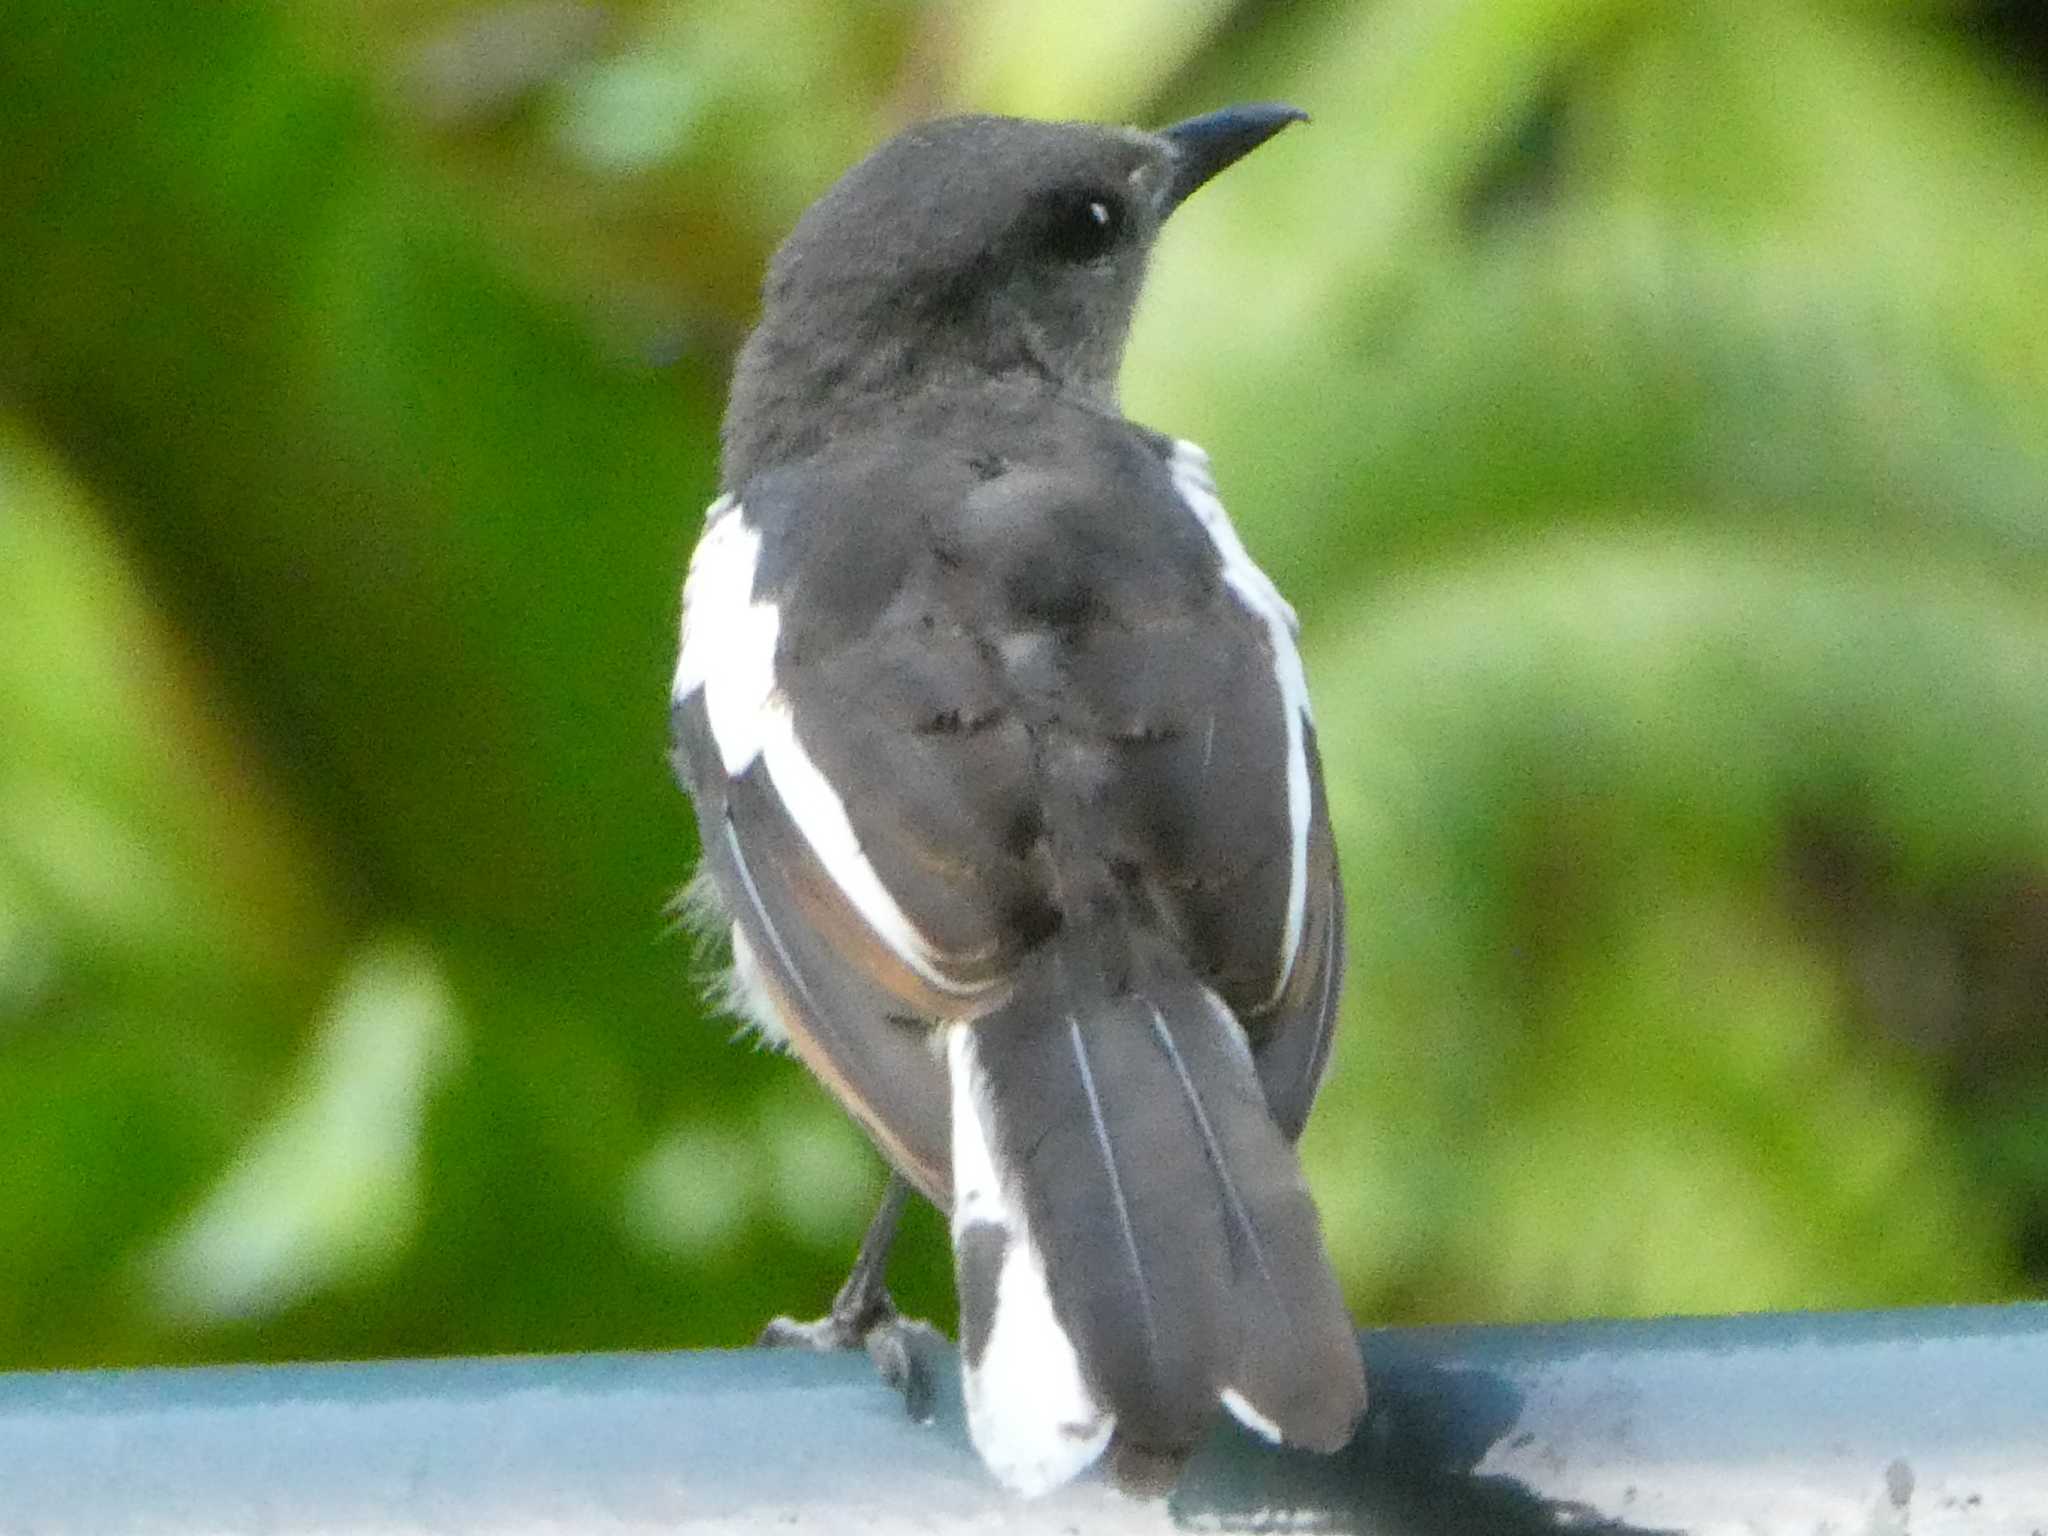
(1570,782)
(330,1188)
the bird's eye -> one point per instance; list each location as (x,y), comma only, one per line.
(1084,225)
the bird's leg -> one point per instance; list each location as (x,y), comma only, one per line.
(862,1315)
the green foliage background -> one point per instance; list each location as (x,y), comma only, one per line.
(1642,402)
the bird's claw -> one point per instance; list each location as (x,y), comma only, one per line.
(824,1335)
(903,1349)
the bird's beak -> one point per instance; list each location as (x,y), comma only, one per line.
(1204,145)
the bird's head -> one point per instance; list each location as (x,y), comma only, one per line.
(976,246)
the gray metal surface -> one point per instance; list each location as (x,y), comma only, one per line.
(1852,1424)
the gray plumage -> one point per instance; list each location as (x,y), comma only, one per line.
(1030,752)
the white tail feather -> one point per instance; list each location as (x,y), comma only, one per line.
(1032,1417)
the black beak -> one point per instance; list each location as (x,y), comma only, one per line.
(1204,145)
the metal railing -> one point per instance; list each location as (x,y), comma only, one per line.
(1847,1424)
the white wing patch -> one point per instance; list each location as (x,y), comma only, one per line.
(1255,589)
(1032,1417)
(728,650)
(721,580)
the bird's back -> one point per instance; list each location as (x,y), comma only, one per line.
(1010,640)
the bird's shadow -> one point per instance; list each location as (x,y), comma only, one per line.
(1410,1471)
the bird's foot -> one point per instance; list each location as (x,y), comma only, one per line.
(905,1350)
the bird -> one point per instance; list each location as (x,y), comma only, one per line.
(1010,804)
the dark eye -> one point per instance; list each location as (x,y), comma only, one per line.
(1083,225)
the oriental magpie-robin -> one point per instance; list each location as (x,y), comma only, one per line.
(1010,800)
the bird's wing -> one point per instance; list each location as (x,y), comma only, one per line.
(1291,1036)
(1284,997)
(808,966)
(850,807)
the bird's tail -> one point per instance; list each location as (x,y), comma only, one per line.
(1133,1239)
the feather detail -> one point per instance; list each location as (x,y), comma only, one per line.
(1118,1204)
(1298,1377)
(1033,1417)
(1189,467)
(1173,1253)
